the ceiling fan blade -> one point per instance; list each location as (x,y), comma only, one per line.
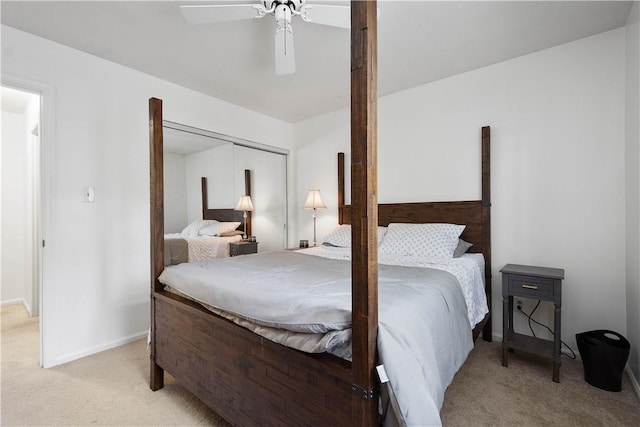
(205,14)
(285,57)
(324,14)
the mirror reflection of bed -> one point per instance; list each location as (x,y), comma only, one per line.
(190,154)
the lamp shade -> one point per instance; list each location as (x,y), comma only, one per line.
(244,204)
(314,201)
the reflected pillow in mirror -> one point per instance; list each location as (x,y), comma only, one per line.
(218,228)
(194,228)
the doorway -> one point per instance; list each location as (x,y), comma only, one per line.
(20,201)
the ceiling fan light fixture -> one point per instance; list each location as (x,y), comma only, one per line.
(293,5)
(283,17)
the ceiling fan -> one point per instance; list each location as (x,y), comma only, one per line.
(283,11)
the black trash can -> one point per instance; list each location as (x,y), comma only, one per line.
(604,354)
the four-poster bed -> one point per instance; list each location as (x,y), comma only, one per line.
(250,380)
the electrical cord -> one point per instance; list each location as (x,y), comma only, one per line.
(530,319)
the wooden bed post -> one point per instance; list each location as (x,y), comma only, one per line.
(247,192)
(156,176)
(486,220)
(364,211)
(205,196)
(340,188)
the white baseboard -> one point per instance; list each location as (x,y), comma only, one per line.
(97,349)
(634,381)
(17,301)
(12,301)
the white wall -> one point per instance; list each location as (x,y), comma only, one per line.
(96,266)
(557,125)
(217,164)
(14,190)
(175,198)
(268,194)
(632,156)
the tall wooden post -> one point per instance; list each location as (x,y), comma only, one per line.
(364,209)
(156,375)
(486,219)
(247,192)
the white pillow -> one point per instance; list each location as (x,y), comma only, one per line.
(430,241)
(218,228)
(341,236)
(194,228)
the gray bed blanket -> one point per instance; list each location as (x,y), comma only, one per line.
(423,336)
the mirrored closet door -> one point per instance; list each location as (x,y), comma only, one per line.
(191,153)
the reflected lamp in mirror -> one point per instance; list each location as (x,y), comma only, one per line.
(314,201)
(245,205)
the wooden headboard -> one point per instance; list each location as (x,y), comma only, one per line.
(475,214)
(227,215)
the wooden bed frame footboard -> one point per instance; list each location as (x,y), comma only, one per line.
(243,377)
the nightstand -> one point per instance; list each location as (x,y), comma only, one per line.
(542,283)
(243,248)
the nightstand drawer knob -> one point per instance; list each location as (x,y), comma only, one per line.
(534,287)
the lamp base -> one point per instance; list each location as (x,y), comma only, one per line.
(315,243)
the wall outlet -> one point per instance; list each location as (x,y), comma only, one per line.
(544,314)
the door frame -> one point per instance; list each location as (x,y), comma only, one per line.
(45,198)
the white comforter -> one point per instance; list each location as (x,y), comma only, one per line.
(423,336)
(468,269)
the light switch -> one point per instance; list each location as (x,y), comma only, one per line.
(88,195)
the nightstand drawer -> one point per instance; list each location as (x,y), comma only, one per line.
(533,287)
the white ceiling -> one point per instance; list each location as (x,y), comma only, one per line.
(418,42)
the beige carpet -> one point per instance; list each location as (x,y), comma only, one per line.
(111,388)
(107,389)
(484,393)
